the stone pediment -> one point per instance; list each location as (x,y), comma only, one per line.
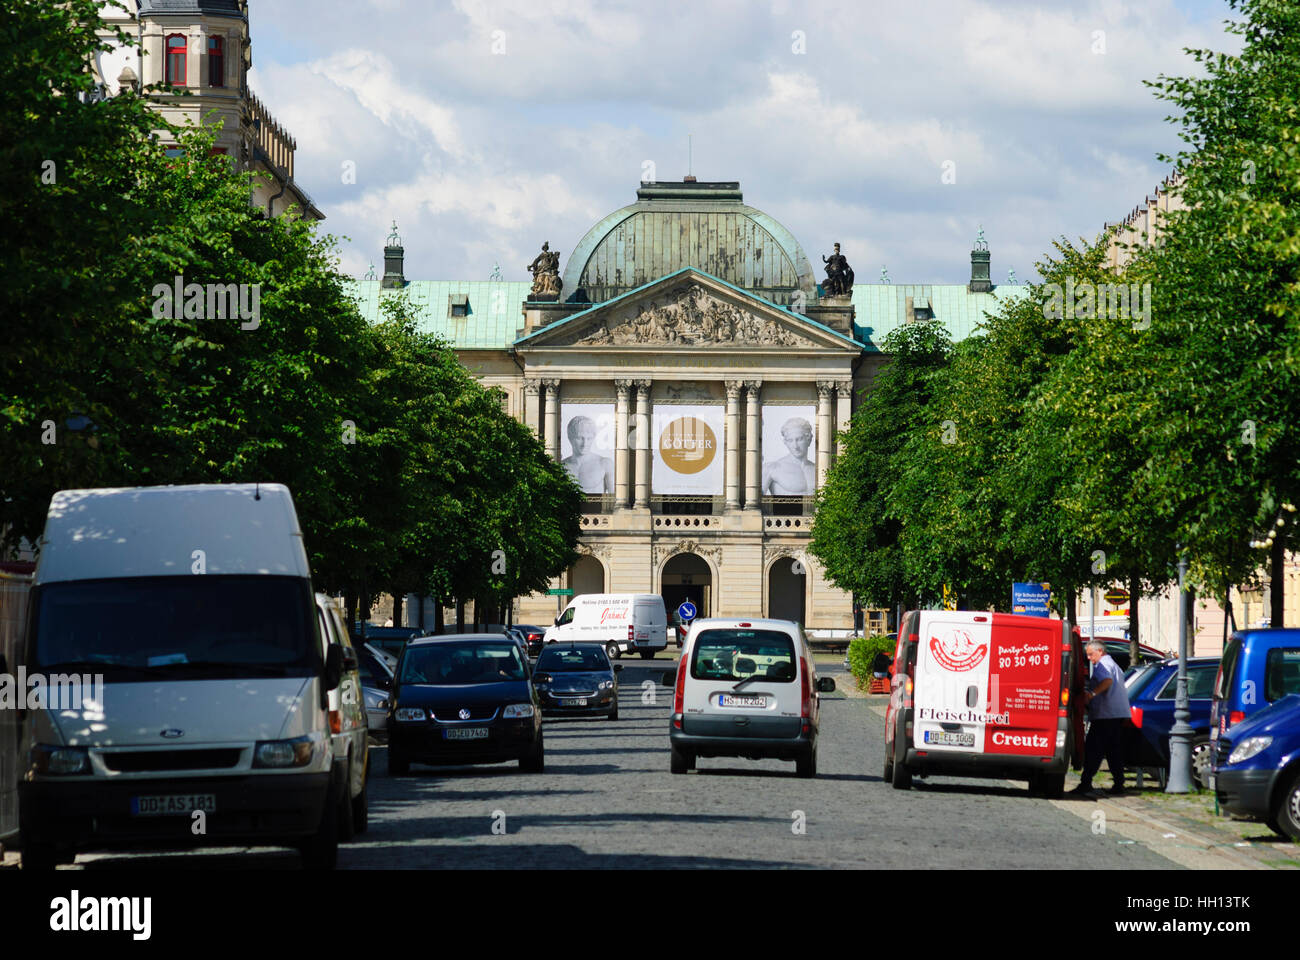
(684,311)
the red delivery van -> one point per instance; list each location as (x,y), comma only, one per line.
(991,695)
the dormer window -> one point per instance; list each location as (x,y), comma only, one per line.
(175,61)
(216,62)
(458,305)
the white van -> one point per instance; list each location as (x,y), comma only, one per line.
(746,688)
(985,695)
(619,621)
(200,712)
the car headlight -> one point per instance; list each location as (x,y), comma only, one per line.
(604,684)
(60,761)
(411,713)
(517,711)
(284,753)
(1248,748)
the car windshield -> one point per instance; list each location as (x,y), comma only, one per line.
(462,664)
(185,626)
(1138,677)
(573,660)
(737,654)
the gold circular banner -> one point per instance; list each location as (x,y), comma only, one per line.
(687,445)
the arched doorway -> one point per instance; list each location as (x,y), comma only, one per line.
(687,577)
(587,576)
(787,584)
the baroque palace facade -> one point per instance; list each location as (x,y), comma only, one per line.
(692,373)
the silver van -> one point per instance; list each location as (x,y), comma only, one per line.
(746,688)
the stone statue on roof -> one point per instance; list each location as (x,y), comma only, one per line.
(839,275)
(545,269)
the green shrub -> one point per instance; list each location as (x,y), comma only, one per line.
(862,653)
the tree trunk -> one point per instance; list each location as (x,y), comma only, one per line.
(350,607)
(398,600)
(1277,590)
(1134,582)
(420,615)
(460,615)
(439,618)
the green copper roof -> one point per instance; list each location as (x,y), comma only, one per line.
(882,307)
(494,315)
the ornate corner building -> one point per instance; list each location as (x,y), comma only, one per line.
(202,47)
(692,373)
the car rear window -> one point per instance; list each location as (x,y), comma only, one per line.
(1228,669)
(1139,677)
(460,664)
(734,654)
(1281,673)
(1200,683)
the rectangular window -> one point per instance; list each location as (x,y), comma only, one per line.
(733,654)
(175,60)
(1281,673)
(216,62)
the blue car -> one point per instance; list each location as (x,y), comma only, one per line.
(1257,767)
(1152,693)
(1259,667)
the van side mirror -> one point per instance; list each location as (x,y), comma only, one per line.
(333,666)
(668,678)
(825,684)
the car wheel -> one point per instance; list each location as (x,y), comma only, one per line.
(38,855)
(680,762)
(612,651)
(321,851)
(347,827)
(647,654)
(398,764)
(361,805)
(902,778)
(888,775)
(1288,810)
(613,714)
(535,762)
(1202,754)
(806,766)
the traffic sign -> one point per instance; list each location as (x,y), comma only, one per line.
(687,611)
(560,592)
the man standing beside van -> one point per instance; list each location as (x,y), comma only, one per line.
(1108,710)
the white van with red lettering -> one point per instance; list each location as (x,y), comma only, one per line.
(618,621)
(991,695)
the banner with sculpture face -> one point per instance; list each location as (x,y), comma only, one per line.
(686,444)
(789,451)
(587,445)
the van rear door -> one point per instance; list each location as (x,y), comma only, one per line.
(1025,685)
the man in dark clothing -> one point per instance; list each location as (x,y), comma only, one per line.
(1108,711)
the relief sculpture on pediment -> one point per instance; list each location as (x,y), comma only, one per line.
(692,317)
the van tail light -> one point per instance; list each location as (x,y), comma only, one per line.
(908,686)
(805,694)
(336,721)
(1065,698)
(1235,717)
(679,694)
(630,636)
(1137,717)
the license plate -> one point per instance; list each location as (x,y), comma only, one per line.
(574,702)
(466,733)
(731,700)
(177,805)
(942,738)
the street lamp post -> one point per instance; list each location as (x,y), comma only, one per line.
(1180,737)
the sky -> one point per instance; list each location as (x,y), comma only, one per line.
(895,129)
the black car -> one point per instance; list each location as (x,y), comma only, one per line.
(577,680)
(391,640)
(463,699)
(533,634)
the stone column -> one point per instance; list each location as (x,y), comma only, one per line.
(643,441)
(753,446)
(532,405)
(732,464)
(552,388)
(843,410)
(621,388)
(825,391)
